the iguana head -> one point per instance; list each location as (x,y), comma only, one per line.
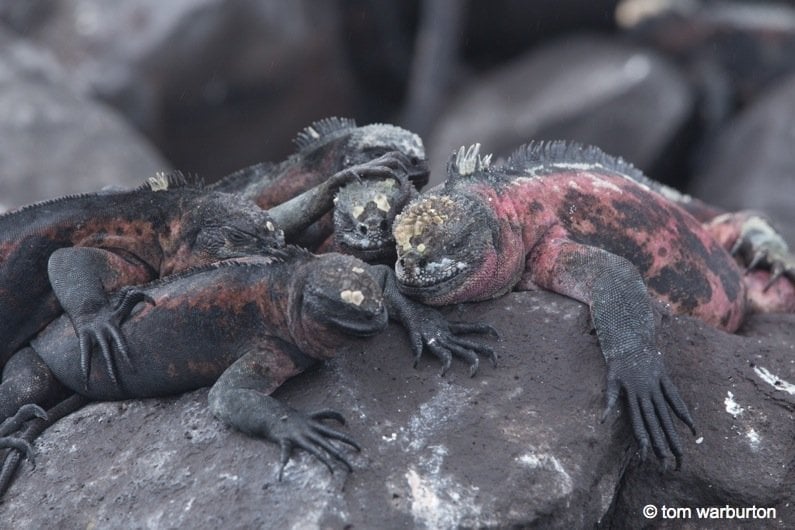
(371,141)
(339,143)
(451,248)
(219,226)
(363,216)
(331,297)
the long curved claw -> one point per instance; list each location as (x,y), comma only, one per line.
(104,329)
(307,432)
(128,298)
(328,414)
(12,424)
(761,245)
(676,402)
(649,394)
(20,445)
(26,412)
(393,164)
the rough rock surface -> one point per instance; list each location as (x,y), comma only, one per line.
(518,445)
(752,163)
(55,141)
(622,98)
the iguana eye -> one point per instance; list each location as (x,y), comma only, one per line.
(237,237)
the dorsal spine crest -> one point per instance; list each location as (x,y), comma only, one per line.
(319,131)
(468,161)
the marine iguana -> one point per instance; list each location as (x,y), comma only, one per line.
(363,214)
(573,220)
(64,254)
(242,326)
(325,147)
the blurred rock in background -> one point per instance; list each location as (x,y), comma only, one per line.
(216,85)
(624,99)
(752,160)
(54,140)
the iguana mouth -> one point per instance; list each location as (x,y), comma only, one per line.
(361,328)
(431,274)
(362,243)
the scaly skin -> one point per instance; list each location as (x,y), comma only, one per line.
(94,243)
(575,221)
(324,148)
(242,327)
(113,239)
(363,215)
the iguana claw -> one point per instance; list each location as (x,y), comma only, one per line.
(14,423)
(649,393)
(103,328)
(760,244)
(307,432)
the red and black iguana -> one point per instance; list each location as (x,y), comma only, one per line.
(575,221)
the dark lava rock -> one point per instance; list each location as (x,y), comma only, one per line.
(752,162)
(622,98)
(741,392)
(517,445)
(55,141)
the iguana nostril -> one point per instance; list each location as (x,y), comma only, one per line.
(363,229)
(383,225)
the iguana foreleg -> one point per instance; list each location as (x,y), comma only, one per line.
(240,398)
(296,214)
(621,312)
(428,328)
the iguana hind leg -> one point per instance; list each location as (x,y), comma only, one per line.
(27,379)
(35,426)
(769,263)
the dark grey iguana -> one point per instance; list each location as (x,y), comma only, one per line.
(243,327)
(573,220)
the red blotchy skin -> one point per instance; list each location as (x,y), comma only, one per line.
(681,263)
(291,183)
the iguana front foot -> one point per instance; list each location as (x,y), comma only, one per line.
(297,429)
(441,338)
(14,423)
(427,327)
(103,328)
(649,392)
(386,165)
(760,244)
